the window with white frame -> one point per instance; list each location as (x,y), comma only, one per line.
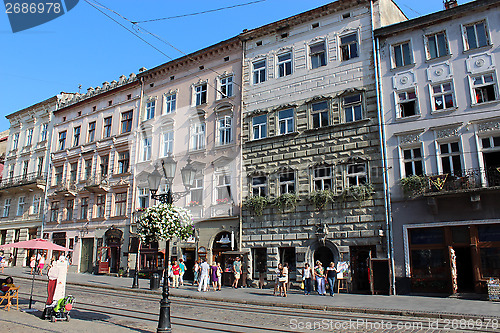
(491,142)
(73,173)
(356,174)
(223,188)
(104,166)
(146,148)
(317,55)
(76,136)
(88,169)
(39,168)
(413,162)
(320,114)
(35,206)
(259,71)
(58,175)
(6,207)
(286,121)
(170,103)
(127,121)
(200,93)
(123,162)
(407,103)
(70,208)
(437,45)
(168,143)
(224,125)
(402,54)
(259,127)
(25,168)
(15,141)
(476,35)
(121,204)
(20,206)
(107,126)
(196,192)
(259,186)
(442,96)
(484,88)
(349,46)
(43,132)
(451,161)
(143,197)
(54,211)
(91,135)
(353,108)
(226,86)
(101,205)
(323,178)
(29,137)
(11,170)
(62,140)
(286,182)
(197,136)
(150,109)
(84,208)
(284,64)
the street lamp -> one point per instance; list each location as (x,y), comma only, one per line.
(188,173)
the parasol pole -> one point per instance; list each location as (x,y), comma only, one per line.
(32,281)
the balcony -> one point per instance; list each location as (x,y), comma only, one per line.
(28,179)
(97,184)
(67,189)
(222,210)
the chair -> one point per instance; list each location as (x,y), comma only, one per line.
(12,293)
(342,285)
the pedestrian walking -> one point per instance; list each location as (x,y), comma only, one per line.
(219,276)
(32,263)
(307,275)
(287,276)
(204,271)
(236,272)
(169,274)
(182,267)
(41,263)
(213,276)
(319,274)
(196,271)
(282,278)
(277,271)
(262,274)
(176,271)
(331,274)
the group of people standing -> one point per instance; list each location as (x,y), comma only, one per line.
(206,275)
(321,276)
(282,280)
(37,268)
(176,272)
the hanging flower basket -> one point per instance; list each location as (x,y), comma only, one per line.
(163,222)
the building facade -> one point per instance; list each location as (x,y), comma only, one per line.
(440,103)
(24,177)
(91,176)
(310,133)
(191,111)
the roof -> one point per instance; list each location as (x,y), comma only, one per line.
(53,99)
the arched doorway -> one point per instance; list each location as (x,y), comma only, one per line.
(325,252)
(325,255)
(222,243)
(113,243)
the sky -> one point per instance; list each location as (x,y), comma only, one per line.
(85,48)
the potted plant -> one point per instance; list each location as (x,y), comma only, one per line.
(256,204)
(222,201)
(193,203)
(360,192)
(320,198)
(413,186)
(286,201)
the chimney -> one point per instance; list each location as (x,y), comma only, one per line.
(450,4)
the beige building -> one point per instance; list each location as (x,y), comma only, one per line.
(91,177)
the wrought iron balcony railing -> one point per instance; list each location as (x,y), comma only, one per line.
(30,178)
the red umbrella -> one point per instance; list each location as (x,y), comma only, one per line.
(36,244)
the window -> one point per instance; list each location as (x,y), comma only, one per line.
(35,208)
(104,166)
(76,136)
(353,108)
(146,148)
(88,169)
(484,88)
(442,96)
(226,86)
(225,130)
(450,158)
(62,140)
(43,132)
(407,101)
(259,71)
(29,137)
(143,196)
(58,175)
(259,127)
(123,162)
(200,92)
(318,55)
(402,54)
(412,161)
(197,136)
(91,136)
(287,182)
(84,208)
(70,206)
(319,114)
(6,207)
(73,172)
(259,186)
(11,170)
(356,174)
(54,211)
(127,121)
(323,178)
(39,167)
(20,206)
(15,141)
(476,35)
(284,64)
(120,204)
(491,142)
(223,188)
(170,103)
(196,192)
(168,143)
(107,126)
(100,205)
(349,46)
(150,109)
(437,45)
(285,121)
(25,168)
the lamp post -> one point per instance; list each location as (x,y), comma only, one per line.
(188,173)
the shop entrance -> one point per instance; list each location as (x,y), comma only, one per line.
(359,267)
(114,241)
(222,243)
(465,277)
(323,254)
(188,256)
(86,258)
(492,166)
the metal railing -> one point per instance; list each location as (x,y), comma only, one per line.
(29,178)
(97,180)
(67,186)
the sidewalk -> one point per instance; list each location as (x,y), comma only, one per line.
(434,307)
